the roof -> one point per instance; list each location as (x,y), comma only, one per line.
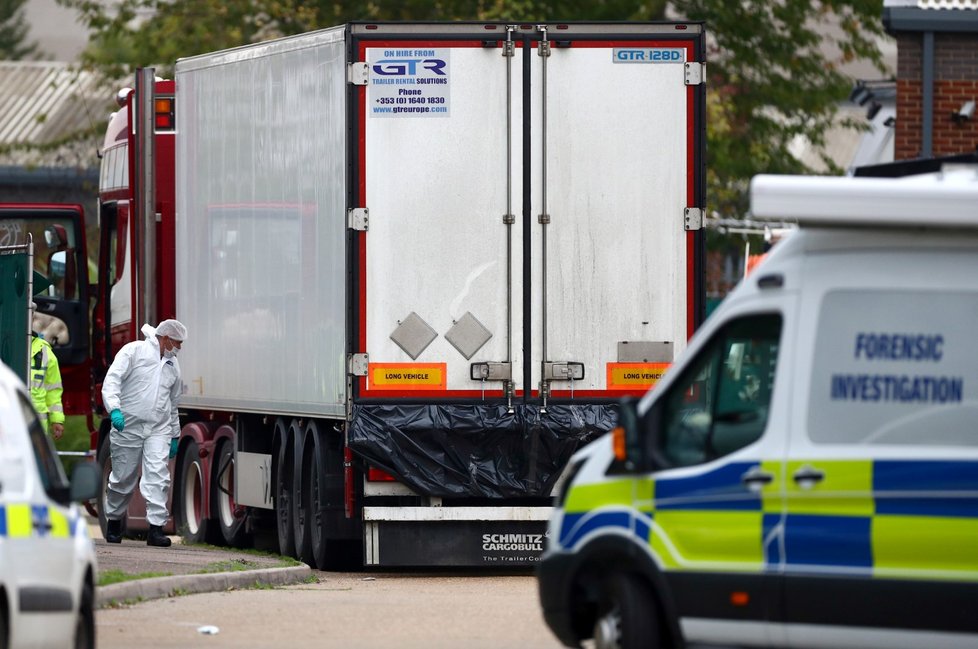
(43,104)
(933,4)
(948,199)
(930,15)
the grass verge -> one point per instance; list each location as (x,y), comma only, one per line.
(118,576)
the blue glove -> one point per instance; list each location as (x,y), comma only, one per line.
(118,421)
(174,443)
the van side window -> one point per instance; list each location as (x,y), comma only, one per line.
(720,403)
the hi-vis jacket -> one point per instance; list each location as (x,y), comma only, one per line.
(45,383)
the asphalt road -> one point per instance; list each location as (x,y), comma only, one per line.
(349,610)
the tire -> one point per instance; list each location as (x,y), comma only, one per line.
(300,517)
(188,495)
(313,483)
(230,521)
(105,466)
(629,618)
(85,624)
(284,466)
(4,621)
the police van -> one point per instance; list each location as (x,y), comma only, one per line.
(47,558)
(806,474)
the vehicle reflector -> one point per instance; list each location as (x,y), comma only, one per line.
(618,443)
(164,117)
(739,598)
(376,475)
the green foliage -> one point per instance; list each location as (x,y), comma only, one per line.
(107,577)
(239,565)
(284,561)
(13,32)
(773,67)
(75,438)
(123,38)
(774,75)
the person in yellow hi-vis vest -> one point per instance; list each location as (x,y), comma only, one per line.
(46,389)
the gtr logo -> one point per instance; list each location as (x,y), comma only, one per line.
(655,55)
(409,66)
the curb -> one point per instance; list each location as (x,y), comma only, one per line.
(160,587)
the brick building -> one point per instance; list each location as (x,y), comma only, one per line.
(937,76)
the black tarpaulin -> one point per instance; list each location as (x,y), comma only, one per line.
(452,450)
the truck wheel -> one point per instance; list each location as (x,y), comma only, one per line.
(189,495)
(85,624)
(629,619)
(300,519)
(283,488)
(230,517)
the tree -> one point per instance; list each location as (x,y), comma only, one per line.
(13,32)
(773,66)
(124,38)
(774,74)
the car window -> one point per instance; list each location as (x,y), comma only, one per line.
(720,403)
(49,467)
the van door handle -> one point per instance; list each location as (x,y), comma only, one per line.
(807,477)
(42,526)
(755,478)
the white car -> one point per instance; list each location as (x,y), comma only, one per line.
(47,559)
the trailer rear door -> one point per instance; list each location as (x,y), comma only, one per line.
(523,216)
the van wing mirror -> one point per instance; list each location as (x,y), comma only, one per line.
(627,437)
(85,477)
(636,438)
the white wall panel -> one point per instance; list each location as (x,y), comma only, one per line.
(261,222)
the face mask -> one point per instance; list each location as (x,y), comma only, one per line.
(170,353)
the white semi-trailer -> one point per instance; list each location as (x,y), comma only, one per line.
(420,263)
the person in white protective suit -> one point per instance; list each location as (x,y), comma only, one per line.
(140,391)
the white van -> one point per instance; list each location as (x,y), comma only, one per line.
(806,474)
(47,559)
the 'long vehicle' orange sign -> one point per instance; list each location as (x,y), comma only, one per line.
(406,376)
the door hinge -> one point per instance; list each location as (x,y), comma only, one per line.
(694,73)
(357,364)
(358,73)
(491,371)
(693,218)
(358,218)
(563,371)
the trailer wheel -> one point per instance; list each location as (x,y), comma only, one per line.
(284,465)
(629,617)
(322,550)
(230,517)
(300,517)
(188,496)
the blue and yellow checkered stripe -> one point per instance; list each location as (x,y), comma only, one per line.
(26,520)
(882,518)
